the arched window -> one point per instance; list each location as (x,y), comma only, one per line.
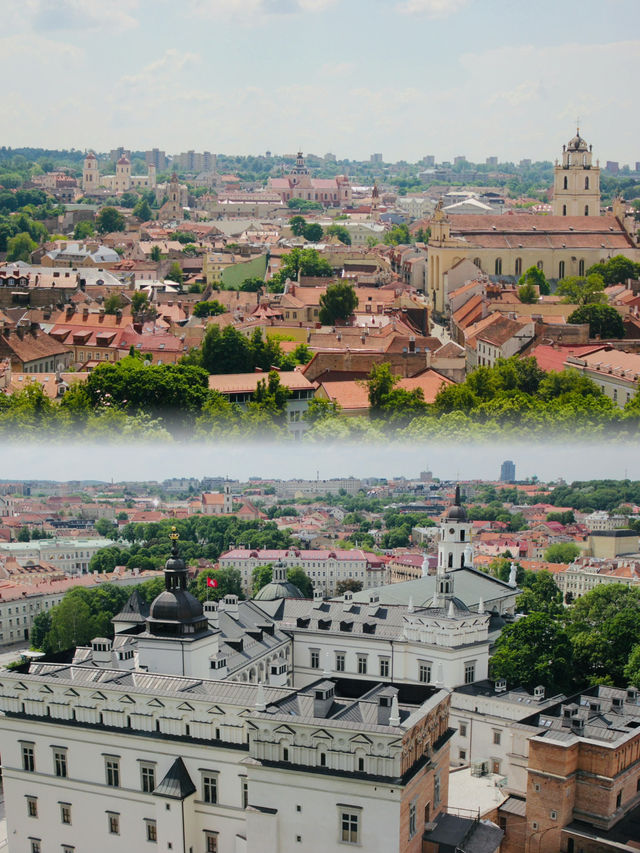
(581,267)
(498,266)
(462,535)
(476,261)
(586,183)
(518,266)
(540,265)
(565,185)
(586,210)
(561,269)
(450,562)
(564,209)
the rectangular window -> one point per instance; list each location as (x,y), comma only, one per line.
(245,793)
(462,754)
(436,790)
(412,819)
(67,849)
(32,806)
(463,729)
(349,827)
(148,777)
(362,664)
(470,672)
(340,657)
(210,788)
(112,769)
(152,830)
(28,757)
(497,737)
(36,847)
(315,659)
(65,813)
(384,667)
(424,672)
(113,822)
(60,762)
(211,842)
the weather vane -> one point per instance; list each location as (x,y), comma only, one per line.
(174,533)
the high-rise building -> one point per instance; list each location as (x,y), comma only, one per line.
(492,161)
(376,158)
(507,472)
(156,158)
(429,160)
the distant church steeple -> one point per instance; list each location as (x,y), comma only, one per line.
(576,181)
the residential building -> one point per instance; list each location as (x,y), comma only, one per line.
(30,350)
(586,573)
(324,567)
(240,388)
(69,555)
(307,488)
(615,372)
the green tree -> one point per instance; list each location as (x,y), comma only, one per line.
(143,210)
(313,232)
(304,262)
(20,247)
(106,528)
(566,517)
(83,230)
(39,629)
(155,254)
(229,583)
(632,668)
(616,270)
(252,285)
(534,650)
(604,626)
(261,576)
(208,309)
(561,552)
(348,585)
(175,273)
(108,220)
(297,225)
(298,577)
(540,594)
(23,535)
(527,294)
(139,301)
(340,232)
(398,235)
(582,290)
(604,321)
(337,303)
(111,303)
(535,277)
(226,352)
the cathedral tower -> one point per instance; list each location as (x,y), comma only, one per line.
(576,181)
(454,538)
(90,173)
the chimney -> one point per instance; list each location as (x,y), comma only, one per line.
(323,696)
(211,612)
(385,703)
(231,605)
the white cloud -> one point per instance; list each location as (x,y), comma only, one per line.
(50,16)
(249,11)
(431,8)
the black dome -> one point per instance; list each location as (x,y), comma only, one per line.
(176,605)
(456,513)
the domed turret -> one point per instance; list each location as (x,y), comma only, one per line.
(456,512)
(279,586)
(175,612)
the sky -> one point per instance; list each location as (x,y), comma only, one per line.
(402,77)
(450,462)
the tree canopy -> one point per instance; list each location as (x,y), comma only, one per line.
(337,303)
(604,321)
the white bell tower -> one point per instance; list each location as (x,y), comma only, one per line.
(454,537)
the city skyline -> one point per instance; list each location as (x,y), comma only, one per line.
(449,462)
(490,69)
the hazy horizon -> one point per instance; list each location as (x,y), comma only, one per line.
(271,461)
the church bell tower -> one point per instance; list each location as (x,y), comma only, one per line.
(576,181)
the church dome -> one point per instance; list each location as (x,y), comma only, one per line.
(278,589)
(456,513)
(124,161)
(175,605)
(577,143)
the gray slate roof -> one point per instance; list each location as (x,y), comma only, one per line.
(177,784)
